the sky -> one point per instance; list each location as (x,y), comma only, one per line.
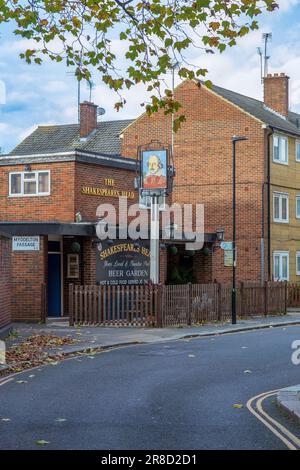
(32,95)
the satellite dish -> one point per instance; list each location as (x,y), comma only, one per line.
(100,111)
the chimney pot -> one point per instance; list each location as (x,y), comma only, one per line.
(88,118)
(276,93)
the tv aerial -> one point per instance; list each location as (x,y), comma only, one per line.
(100,111)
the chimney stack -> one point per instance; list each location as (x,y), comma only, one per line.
(276,93)
(88,118)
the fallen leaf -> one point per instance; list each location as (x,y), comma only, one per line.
(247,371)
(244,347)
(5,419)
(238,405)
(91,357)
(60,420)
(31,376)
(191,355)
(42,442)
(22,382)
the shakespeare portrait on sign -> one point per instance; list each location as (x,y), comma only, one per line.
(154,169)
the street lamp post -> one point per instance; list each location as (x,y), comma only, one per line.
(235,139)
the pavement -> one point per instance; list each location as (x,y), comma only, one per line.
(289,399)
(95,337)
(185,394)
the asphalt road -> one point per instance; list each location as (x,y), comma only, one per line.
(172,395)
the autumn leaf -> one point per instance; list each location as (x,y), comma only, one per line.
(238,405)
(42,442)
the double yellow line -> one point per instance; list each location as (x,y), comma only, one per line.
(255,406)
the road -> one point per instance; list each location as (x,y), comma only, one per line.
(171,395)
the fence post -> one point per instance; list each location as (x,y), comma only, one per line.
(159,313)
(266,291)
(219,301)
(71,304)
(285,297)
(242,309)
(189,312)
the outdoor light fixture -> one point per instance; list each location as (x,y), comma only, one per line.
(27,167)
(220,234)
(78,217)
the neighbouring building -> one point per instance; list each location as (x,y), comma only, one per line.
(52,183)
(268,175)
(5,283)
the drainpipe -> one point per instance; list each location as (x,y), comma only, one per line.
(269,198)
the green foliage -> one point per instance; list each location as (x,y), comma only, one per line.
(156,34)
(182,275)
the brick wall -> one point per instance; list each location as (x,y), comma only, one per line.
(94,176)
(5,281)
(59,206)
(29,274)
(203,160)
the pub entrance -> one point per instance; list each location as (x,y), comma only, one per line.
(55,278)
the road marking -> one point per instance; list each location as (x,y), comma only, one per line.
(6,381)
(279,431)
(280,426)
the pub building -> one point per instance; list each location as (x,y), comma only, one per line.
(51,185)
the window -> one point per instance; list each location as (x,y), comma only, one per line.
(145,202)
(298,207)
(281,265)
(73,266)
(281,207)
(30,183)
(280,149)
(298,150)
(298,263)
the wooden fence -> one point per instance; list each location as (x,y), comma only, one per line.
(114,305)
(175,305)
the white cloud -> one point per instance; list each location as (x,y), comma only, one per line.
(48,93)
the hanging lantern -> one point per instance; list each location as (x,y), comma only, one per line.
(206,251)
(75,247)
(173,250)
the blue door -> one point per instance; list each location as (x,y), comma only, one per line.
(54,285)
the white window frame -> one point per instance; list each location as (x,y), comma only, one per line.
(36,179)
(75,263)
(281,196)
(297,143)
(280,160)
(281,254)
(297,256)
(296,200)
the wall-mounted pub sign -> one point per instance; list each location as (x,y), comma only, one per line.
(124,262)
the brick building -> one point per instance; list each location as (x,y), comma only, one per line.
(52,183)
(268,175)
(5,283)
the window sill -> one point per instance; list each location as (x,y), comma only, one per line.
(28,195)
(281,163)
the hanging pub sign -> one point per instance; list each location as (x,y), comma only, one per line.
(154,169)
(123,262)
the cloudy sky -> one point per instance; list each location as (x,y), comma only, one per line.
(47,94)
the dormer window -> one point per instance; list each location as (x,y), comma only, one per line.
(29,183)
